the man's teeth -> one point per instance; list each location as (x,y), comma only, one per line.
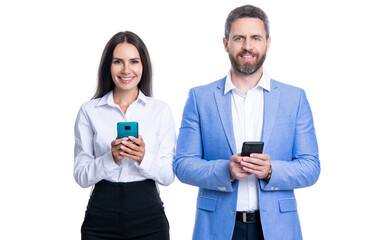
(247,56)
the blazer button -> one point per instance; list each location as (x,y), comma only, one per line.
(232,213)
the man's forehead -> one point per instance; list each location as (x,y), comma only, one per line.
(247,24)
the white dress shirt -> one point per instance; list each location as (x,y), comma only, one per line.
(96,128)
(247,117)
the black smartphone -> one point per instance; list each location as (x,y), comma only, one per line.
(251,147)
(126,129)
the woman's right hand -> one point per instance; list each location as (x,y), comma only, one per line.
(116,149)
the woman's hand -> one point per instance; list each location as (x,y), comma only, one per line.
(130,147)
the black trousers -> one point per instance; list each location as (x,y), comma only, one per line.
(247,231)
(125,211)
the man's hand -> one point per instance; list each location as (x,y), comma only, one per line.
(257,164)
(235,168)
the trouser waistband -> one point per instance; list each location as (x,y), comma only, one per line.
(248,217)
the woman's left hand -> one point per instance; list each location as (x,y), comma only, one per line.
(133,148)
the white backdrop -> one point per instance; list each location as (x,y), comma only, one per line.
(49,55)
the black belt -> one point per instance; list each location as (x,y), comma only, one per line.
(248,217)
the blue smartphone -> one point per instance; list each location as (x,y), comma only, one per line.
(126,129)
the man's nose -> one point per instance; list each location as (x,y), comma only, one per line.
(247,45)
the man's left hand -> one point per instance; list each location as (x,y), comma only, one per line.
(258,164)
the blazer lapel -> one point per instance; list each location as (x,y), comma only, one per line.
(224,106)
(271,101)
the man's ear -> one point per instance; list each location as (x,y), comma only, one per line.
(225,42)
(268,43)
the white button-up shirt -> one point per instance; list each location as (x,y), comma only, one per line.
(96,128)
(247,117)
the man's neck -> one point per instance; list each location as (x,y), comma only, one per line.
(246,82)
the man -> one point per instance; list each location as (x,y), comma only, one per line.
(247,197)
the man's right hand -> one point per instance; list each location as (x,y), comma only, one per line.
(235,168)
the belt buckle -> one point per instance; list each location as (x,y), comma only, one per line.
(247,219)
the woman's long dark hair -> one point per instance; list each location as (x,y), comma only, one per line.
(105,81)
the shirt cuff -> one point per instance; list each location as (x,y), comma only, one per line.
(109,164)
(146,163)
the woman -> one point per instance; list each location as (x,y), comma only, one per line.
(125,203)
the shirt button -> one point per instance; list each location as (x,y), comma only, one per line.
(232,213)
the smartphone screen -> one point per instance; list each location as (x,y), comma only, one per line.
(126,129)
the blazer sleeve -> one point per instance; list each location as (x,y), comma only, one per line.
(303,169)
(189,165)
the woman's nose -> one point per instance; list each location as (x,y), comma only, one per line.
(125,68)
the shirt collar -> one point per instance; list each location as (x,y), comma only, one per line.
(143,98)
(264,82)
(108,99)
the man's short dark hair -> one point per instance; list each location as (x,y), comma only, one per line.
(246,11)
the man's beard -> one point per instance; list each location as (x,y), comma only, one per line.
(247,68)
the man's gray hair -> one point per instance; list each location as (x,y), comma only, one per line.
(246,11)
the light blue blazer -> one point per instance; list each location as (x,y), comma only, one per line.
(206,142)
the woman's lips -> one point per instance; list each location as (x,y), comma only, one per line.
(126,79)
